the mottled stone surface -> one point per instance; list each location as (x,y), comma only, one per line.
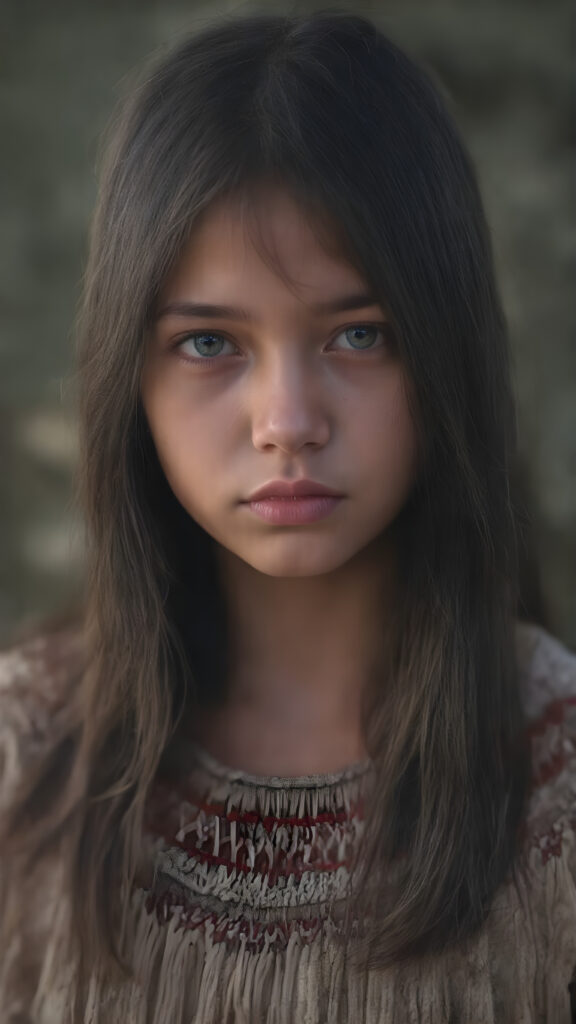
(507,67)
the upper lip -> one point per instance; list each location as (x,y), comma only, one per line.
(292,489)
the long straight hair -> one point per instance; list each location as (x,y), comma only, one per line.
(329,108)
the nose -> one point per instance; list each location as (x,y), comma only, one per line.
(289,409)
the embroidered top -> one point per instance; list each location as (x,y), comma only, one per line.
(247,849)
(238,923)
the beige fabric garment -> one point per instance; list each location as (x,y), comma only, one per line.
(214,941)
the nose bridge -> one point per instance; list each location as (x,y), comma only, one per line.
(288,407)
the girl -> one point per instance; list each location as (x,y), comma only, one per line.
(299,760)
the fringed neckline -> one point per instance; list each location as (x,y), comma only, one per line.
(213,766)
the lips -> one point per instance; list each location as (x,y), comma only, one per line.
(293,489)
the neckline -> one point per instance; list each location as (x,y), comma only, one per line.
(221,770)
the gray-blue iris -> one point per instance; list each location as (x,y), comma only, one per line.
(365,341)
(213,343)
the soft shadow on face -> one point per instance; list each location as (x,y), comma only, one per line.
(277,387)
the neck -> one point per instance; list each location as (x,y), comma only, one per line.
(303,650)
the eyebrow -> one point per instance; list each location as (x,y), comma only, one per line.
(203,309)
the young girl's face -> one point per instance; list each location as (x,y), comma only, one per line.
(283,385)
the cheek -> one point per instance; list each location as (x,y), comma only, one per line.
(177,437)
(383,431)
(194,441)
(187,423)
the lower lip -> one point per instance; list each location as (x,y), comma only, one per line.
(294,511)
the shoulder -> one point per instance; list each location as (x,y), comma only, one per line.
(35,680)
(547,673)
(547,669)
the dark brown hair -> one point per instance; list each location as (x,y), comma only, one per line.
(328,107)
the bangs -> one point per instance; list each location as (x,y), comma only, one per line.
(251,200)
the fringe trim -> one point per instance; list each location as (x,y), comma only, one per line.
(516,970)
(249,845)
(253,890)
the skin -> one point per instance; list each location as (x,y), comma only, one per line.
(286,395)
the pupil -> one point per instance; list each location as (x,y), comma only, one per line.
(205,343)
(364,341)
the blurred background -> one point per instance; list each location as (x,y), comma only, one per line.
(507,66)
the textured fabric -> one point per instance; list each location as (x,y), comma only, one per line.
(239,924)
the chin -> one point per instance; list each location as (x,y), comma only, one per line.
(296,566)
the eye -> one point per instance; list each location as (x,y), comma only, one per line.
(203,345)
(363,337)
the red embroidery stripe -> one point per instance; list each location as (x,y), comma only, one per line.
(550,768)
(549,844)
(548,764)
(553,714)
(211,858)
(159,816)
(167,902)
(253,818)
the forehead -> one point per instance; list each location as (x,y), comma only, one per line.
(268,235)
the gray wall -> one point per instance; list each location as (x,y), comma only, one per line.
(507,66)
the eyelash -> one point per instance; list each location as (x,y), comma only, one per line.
(382,329)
